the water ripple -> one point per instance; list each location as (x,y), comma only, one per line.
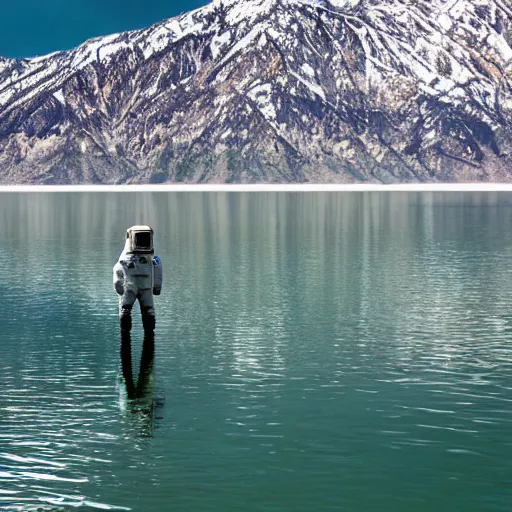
(313,352)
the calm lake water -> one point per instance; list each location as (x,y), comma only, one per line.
(313,352)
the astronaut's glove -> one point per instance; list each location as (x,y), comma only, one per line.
(156,291)
(119,288)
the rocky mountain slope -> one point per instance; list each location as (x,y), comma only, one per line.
(271,91)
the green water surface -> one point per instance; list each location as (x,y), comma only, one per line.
(313,352)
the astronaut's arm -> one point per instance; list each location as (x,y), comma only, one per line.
(157,275)
(118,278)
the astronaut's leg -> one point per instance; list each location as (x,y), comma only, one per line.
(126,302)
(147,309)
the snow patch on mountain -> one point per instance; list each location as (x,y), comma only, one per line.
(218,42)
(58,95)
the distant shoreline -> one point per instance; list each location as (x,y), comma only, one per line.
(422,187)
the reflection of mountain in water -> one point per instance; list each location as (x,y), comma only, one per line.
(270,253)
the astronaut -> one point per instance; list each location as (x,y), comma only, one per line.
(138,275)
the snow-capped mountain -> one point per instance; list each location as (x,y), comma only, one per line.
(271,91)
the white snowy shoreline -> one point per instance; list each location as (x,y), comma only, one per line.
(422,187)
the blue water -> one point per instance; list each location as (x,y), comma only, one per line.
(337,351)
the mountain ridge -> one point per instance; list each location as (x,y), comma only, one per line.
(271,91)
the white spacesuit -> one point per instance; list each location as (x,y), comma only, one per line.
(138,275)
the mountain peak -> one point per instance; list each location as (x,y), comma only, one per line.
(263,90)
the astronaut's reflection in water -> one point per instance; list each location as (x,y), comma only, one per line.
(140,400)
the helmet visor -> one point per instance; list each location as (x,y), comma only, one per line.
(142,240)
